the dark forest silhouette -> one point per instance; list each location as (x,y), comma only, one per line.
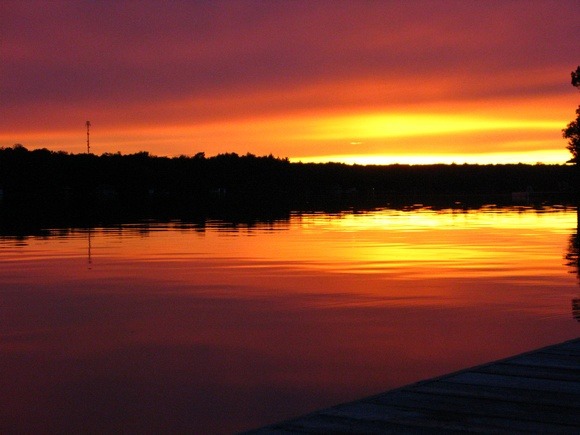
(44,180)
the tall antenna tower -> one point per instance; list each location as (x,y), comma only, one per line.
(88,124)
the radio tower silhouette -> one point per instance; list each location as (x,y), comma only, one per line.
(88,124)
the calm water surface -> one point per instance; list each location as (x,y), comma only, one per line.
(167,327)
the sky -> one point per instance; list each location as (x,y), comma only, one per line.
(368,82)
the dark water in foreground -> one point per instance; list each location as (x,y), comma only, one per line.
(172,327)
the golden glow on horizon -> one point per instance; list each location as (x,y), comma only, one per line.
(469,132)
(413,125)
(531,157)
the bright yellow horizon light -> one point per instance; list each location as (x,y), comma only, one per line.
(548,157)
(412,125)
(371,138)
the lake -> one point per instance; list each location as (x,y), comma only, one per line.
(217,327)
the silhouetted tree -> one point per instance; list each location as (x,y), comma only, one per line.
(572,130)
(576,77)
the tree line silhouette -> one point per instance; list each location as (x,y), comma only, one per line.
(44,180)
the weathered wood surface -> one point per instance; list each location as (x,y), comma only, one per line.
(536,392)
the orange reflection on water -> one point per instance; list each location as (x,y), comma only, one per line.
(211,328)
(390,244)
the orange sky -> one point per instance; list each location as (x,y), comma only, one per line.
(367,82)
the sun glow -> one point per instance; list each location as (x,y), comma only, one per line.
(413,125)
(555,157)
(443,134)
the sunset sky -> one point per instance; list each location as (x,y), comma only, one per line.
(352,81)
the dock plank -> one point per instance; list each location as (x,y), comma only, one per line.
(500,393)
(532,371)
(476,406)
(437,417)
(529,383)
(535,392)
(547,360)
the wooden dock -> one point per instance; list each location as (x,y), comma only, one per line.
(536,392)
